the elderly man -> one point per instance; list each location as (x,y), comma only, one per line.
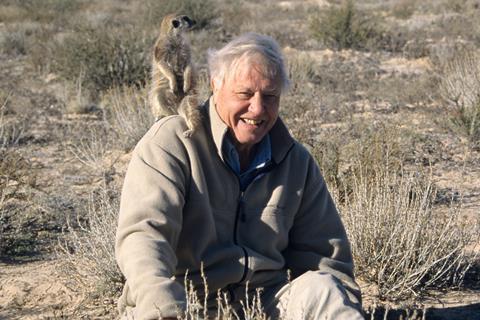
(240,197)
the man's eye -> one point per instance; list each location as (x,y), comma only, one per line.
(244,95)
(270,96)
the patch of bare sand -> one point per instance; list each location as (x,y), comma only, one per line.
(37,290)
(405,66)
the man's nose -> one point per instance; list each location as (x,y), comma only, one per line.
(256,104)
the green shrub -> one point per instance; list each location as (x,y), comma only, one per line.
(344,27)
(105,57)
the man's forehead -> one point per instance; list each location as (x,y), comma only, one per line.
(248,75)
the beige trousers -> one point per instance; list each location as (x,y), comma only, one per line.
(313,296)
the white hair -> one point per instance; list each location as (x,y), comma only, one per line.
(263,51)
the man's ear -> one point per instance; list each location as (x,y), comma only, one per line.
(212,85)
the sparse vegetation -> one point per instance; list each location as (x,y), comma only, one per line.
(373,85)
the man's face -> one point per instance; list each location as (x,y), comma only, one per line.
(248,104)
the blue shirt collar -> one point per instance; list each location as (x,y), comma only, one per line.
(258,166)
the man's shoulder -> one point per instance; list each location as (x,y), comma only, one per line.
(300,152)
(169,126)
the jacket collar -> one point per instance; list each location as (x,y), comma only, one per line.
(281,140)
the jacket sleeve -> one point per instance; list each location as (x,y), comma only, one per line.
(149,224)
(317,240)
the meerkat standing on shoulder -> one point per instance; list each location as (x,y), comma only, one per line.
(173,83)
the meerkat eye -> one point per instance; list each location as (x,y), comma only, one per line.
(175,23)
(189,21)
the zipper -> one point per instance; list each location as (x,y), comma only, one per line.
(240,215)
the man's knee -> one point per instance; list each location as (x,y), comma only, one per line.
(319,296)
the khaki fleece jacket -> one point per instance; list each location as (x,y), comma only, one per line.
(181,205)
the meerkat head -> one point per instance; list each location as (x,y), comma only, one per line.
(175,24)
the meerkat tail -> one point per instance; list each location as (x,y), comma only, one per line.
(190,111)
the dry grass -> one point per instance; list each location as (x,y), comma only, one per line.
(403,242)
(12,129)
(128,114)
(460,88)
(88,246)
(91,148)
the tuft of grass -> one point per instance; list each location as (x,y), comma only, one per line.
(128,114)
(12,129)
(460,89)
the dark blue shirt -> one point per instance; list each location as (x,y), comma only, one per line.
(259,165)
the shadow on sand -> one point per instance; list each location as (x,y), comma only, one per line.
(465,312)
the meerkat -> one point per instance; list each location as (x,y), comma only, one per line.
(173,80)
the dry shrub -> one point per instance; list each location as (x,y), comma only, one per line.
(90,147)
(104,56)
(16,172)
(403,9)
(128,114)
(12,129)
(398,241)
(41,48)
(14,42)
(460,88)
(401,243)
(88,246)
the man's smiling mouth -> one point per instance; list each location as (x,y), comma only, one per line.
(252,121)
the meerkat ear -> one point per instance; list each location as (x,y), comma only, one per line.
(175,23)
